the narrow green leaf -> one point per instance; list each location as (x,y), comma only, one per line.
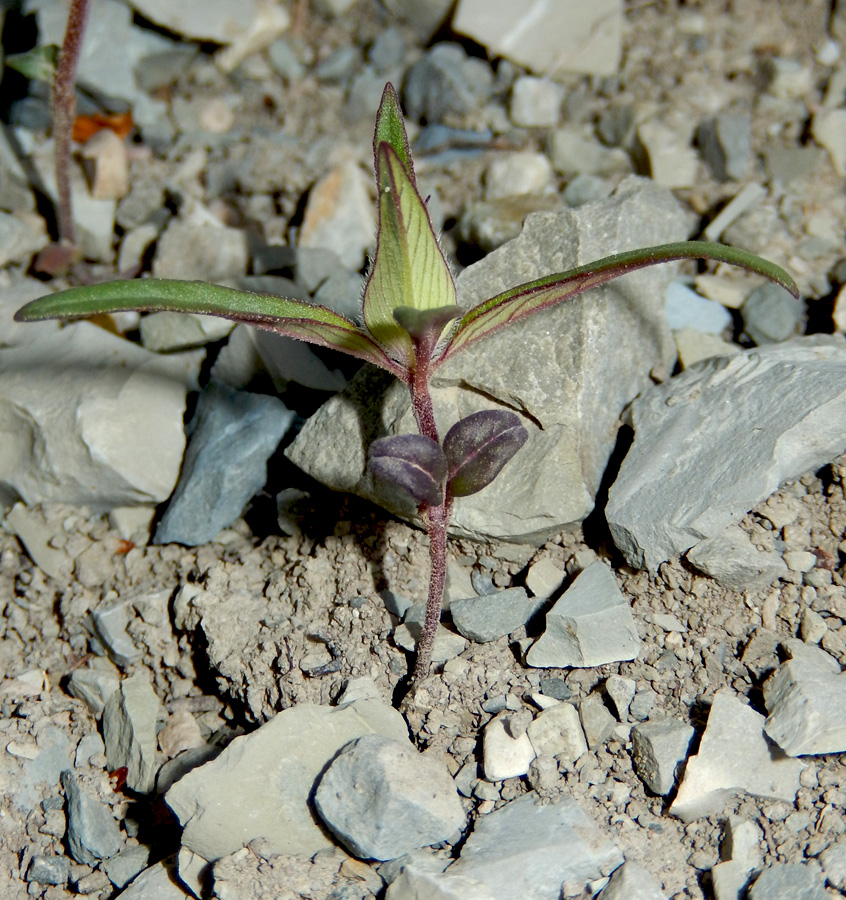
(534,296)
(292,318)
(390,130)
(409,268)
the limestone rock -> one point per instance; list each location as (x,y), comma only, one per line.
(548,365)
(591,624)
(658,748)
(129,731)
(693,471)
(734,757)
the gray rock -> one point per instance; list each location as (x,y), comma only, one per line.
(339,65)
(741,856)
(725,143)
(544,577)
(93,687)
(771,314)
(621,691)
(585,188)
(46,766)
(341,291)
(232,436)
(381,798)
(446,80)
(200,248)
(110,624)
(415,881)
(519,172)
(388,50)
(507,748)
(494,615)
(547,37)
(789,881)
(285,60)
(424,16)
(129,731)
(632,882)
(447,644)
(687,309)
(548,365)
(524,850)
(807,709)
(124,866)
(642,704)
(734,757)
(574,153)
(488,224)
(556,687)
(535,102)
(733,561)
(48,869)
(221,21)
(788,403)
(110,436)
(833,861)
(19,241)
(557,732)
(223,806)
(597,721)
(828,128)
(663,150)
(658,749)
(167,331)
(591,624)
(93,833)
(158,882)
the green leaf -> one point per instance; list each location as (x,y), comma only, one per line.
(409,268)
(38,64)
(291,318)
(390,130)
(534,296)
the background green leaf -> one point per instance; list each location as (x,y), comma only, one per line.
(534,296)
(292,318)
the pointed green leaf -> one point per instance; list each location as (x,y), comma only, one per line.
(38,64)
(409,268)
(525,299)
(390,130)
(292,318)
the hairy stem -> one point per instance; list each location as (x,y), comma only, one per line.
(64,112)
(437,519)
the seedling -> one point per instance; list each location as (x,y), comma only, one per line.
(411,326)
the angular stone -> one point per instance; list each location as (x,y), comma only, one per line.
(632,882)
(415,883)
(591,624)
(158,882)
(519,172)
(807,709)
(733,561)
(658,749)
(621,691)
(129,731)
(725,143)
(220,21)
(199,247)
(494,615)
(48,869)
(232,436)
(579,36)
(548,365)
(771,314)
(557,732)
(505,755)
(535,102)
(110,436)
(693,471)
(223,805)
(381,798)
(544,577)
(734,757)
(525,850)
(597,722)
(339,215)
(789,881)
(93,833)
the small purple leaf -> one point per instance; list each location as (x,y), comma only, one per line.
(412,462)
(478,446)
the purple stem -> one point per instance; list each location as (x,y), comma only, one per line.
(64,113)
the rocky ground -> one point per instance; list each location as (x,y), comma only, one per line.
(638,688)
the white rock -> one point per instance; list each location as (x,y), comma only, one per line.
(110,436)
(271,20)
(545,35)
(260,784)
(505,756)
(20,238)
(733,561)
(220,21)
(828,128)
(839,313)
(106,165)
(199,247)
(168,331)
(673,163)
(621,691)
(415,883)
(694,346)
(799,560)
(544,577)
(535,102)
(734,757)
(155,883)
(807,709)
(512,174)
(591,624)
(129,731)
(339,215)
(37,537)
(557,731)
(693,471)
(812,627)
(524,850)
(134,245)
(632,882)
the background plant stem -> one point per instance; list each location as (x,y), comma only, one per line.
(64,113)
